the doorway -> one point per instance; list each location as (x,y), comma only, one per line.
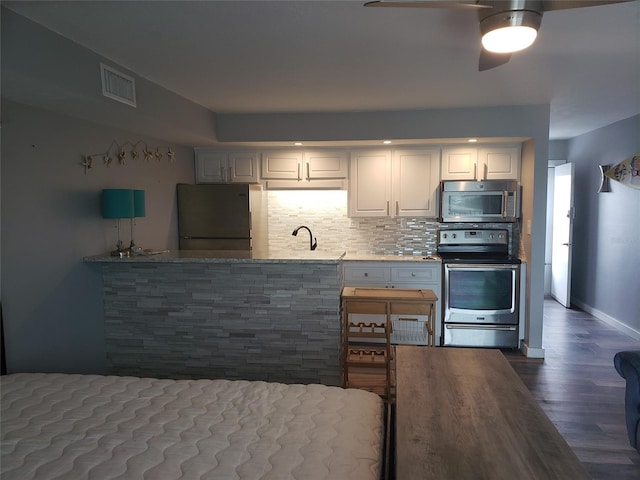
(560,215)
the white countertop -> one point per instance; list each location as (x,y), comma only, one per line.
(363,257)
(224,256)
(227,256)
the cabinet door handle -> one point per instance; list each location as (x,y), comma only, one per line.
(475,171)
(308,171)
(397,208)
(387,207)
(299,173)
(486,171)
(366,274)
(222,173)
(230,174)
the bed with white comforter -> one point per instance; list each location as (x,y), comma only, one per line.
(57,426)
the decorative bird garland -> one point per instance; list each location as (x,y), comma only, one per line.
(127,149)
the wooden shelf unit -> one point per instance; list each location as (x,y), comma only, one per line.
(366,351)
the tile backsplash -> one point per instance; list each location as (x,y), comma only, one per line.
(325,213)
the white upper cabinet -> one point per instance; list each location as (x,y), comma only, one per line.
(284,165)
(370,184)
(415,175)
(214,166)
(402,183)
(500,162)
(459,163)
(305,169)
(325,164)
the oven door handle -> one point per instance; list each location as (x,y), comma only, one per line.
(475,266)
(479,326)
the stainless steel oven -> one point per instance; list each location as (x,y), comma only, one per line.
(481,285)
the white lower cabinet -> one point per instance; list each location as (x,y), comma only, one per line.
(389,274)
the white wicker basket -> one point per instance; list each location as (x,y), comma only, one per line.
(409,331)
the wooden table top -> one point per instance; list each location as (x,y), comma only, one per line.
(390,294)
(463,413)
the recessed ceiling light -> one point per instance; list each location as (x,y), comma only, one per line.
(472,140)
(386,142)
(298,144)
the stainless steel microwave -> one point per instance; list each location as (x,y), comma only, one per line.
(487,201)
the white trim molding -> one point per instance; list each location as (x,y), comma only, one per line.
(531,352)
(609,320)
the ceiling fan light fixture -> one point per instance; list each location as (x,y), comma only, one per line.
(511,31)
(509,39)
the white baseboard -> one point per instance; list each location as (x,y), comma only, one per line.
(609,320)
(530,352)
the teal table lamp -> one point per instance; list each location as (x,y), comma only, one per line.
(118,203)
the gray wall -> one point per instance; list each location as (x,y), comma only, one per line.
(606,254)
(51,219)
(41,68)
(53,113)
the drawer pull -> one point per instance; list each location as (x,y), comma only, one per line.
(366,274)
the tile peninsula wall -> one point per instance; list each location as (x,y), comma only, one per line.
(242,320)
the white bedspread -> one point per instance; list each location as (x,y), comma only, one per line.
(104,427)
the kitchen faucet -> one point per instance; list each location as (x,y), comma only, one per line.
(313,242)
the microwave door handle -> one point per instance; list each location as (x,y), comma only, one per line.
(505,196)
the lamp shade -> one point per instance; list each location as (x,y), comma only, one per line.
(117,203)
(138,203)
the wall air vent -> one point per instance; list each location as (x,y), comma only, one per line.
(117,85)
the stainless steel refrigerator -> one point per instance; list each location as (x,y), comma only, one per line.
(218,216)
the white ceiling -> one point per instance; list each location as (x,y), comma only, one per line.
(319,56)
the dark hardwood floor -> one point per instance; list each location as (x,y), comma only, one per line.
(580,391)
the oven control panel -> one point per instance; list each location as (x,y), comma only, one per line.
(473,237)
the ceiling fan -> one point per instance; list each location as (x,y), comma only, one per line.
(506,26)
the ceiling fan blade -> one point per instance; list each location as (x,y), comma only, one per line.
(427,4)
(489,60)
(567,4)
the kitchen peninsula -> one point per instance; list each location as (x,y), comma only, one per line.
(224,314)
